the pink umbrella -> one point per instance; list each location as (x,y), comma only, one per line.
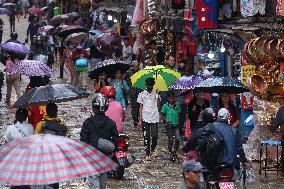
(32,68)
(36,11)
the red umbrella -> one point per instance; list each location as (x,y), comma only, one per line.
(104,41)
(36,11)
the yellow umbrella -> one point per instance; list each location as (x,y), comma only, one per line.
(163,76)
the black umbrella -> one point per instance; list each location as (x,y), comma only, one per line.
(221,85)
(68,30)
(51,93)
(109,67)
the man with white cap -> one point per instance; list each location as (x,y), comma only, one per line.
(232,140)
(191,171)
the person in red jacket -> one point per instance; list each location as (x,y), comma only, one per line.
(36,113)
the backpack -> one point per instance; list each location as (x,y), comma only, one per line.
(81,65)
(54,128)
(214,147)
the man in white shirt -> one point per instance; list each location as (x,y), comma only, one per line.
(202,70)
(149,116)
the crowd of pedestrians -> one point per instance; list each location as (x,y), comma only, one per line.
(185,117)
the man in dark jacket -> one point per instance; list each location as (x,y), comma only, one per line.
(95,127)
(231,140)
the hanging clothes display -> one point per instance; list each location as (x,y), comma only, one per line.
(280,8)
(225,9)
(178,4)
(270,8)
(138,15)
(206,14)
(252,7)
(259,7)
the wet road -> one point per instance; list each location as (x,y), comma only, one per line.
(159,173)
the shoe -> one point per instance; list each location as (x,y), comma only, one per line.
(148,158)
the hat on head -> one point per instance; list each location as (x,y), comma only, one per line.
(191,165)
(223,114)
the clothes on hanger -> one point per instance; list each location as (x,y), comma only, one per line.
(206,14)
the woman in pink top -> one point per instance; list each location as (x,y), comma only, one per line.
(67,61)
(12,80)
(115,110)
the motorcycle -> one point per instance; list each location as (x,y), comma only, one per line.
(220,177)
(121,157)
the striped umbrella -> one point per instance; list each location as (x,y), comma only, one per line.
(163,76)
(48,159)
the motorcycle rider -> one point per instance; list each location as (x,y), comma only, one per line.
(13,38)
(115,110)
(97,127)
(232,146)
(208,117)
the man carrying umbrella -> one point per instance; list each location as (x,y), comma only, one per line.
(149,117)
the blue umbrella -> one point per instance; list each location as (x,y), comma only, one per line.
(5,11)
(15,47)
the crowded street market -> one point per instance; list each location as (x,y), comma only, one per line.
(141,94)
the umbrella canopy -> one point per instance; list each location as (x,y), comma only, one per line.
(222,85)
(163,76)
(32,68)
(66,31)
(36,11)
(48,159)
(96,32)
(9,4)
(15,47)
(58,19)
(103,42)
(5,11)
(186,83)
(110,67)
(72,16)
(76,37)
(51,93)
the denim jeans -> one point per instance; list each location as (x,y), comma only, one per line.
(98,181)
(150,134)
(173,135)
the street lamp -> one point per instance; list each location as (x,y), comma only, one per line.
(109,17)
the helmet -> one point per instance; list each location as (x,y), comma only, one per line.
(108,91)
(208,115)
(14,35)
(100,103)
